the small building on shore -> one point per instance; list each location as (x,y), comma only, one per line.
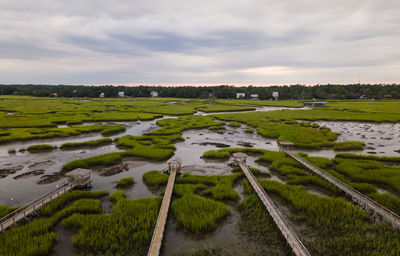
(240,95)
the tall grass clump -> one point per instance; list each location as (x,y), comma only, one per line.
(5,209)
(125,182)
(335,226)
(112,130)
(349,145)
(36,237)
(91,143)
(155,178)
(220,186)
(126,231)
(197,215)
(105,159)
(61,201)
(39,147)
(393,159)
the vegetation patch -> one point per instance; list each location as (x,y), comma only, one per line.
(259,226)
(221,185)
(155,178)
(87,144)
(284,128)
(5,209)
(127,230)
(393,159)
(39,147)
(349,145)
(197,215)
(36,237)
(125,182)
(335,226)
(61,201)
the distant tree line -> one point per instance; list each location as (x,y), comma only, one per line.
(329,91)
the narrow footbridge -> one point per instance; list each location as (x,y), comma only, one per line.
(174,166)
(76,178)
(378,211)
(292,239)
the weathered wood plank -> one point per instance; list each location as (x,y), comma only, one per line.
(158,233)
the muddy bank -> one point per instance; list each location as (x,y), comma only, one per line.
(5,171)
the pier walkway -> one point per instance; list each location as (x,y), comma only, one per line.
(295,243)
(158,233)
(378,211)
(76,178)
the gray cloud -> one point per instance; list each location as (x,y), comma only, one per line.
(102,41)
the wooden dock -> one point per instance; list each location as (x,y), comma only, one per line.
(293,240)
(378,211)
(158,233)
(33,206)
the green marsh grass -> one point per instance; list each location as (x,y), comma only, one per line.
(198,215)
(5,209)
(221,185)
(36,237)
(60,202)
(155,178)
(349,145)
(259,226)
(84,144)
(40,147)
(125,182)
(335,226)
(126,231)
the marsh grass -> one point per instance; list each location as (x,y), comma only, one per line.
(393,159)
(335,226)
(220,187)
(61,201)
(155,178)
(349,145)
(125,182)
(126,231)
(5,209)
(86,144)
(36,237)
(259,226)
(197,215)
(40,147)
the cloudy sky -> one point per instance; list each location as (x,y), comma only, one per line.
(210,42)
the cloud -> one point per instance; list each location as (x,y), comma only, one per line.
(102,41)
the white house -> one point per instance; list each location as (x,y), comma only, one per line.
(254,96)
(275,95)
(101,95)
(154,94)
(121,94)
(240,95)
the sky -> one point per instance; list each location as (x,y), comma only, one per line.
(199,42)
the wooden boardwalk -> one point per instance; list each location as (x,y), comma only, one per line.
(158,233)
(33,206)
(377,210)
(293,240)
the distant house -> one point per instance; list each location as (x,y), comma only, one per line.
(254,96)
(121,94)
(101,95)
(240,95)
(387,97)
(154,94)
(275,95)
(54,94)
